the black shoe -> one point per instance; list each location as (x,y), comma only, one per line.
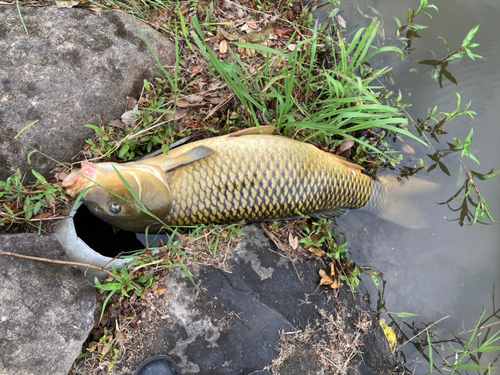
(158,365)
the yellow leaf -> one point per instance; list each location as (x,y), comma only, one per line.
(389,333)
(332,269)
(323,273)
(336,284)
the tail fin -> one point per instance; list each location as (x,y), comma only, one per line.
(397,201)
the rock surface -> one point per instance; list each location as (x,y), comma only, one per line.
(234,325)
(46,309)
(73,65)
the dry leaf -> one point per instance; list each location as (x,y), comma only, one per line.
(229,36)
(345,145)
(316,251)
(342,22)
(194,98)
(241,49)
(323,273)
(116,123)
(251,24)
(66,4)
(159,291)
(250,52)
(259,36)
(182,103)
(223,46)
(95,9)
(327,280)
(332,269)
(293,241)
(196,69)
(292,46)
(180,113)
(215,100)
(131,103)
(408,149)
(336,284)
(127,116)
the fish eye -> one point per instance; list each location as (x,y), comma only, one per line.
(114,208)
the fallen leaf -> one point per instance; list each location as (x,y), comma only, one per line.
(342,22)
(66,4)
(215,100)
(131,103)
(293,241)
(223,46)
(194,98)
(196,69)
(116,123)
(251,24)
(316,251)
(292,46)
(95,9)
(323,273)
(408,149)
(159,291)
(241,49)
(180,113)
(327,280)
(229,36)
(336,284)
(332,269)
(259,36)
(128,118)
(182,103)
(345,145)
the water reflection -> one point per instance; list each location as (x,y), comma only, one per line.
(447,269)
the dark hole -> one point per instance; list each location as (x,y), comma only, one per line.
(109,241)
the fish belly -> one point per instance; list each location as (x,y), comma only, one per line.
(261,177)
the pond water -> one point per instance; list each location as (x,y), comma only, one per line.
(446,269)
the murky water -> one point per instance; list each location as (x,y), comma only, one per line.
(445,269)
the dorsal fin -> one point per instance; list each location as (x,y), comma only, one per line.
(268,129)
(349,164)
(190,156)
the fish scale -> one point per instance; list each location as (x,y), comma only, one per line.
(261,177)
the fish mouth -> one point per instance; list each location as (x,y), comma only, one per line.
(87,170)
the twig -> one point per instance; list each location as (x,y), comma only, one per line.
(246,325)
(2,252)
(261,332)
(424,330)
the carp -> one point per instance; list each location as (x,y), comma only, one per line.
(244,176)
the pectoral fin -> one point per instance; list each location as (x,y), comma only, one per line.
(190,156)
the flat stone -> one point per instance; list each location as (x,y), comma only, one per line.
(233,326)
(46,309)
(74,65)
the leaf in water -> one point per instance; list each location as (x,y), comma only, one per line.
(223,46)
(405,314)
(342,22)
(430,62)
(444,168)
(293,241)
(448,75)
(316,251)
(408,149)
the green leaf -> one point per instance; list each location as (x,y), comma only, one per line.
(469,36)
(26,127)
(431,361)
(445,43)
(405,314)
(39,177)
(487,349)
(484,176)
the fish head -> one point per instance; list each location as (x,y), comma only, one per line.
(107,196)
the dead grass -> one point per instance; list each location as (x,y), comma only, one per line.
(328,340)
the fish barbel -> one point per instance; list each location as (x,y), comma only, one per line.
(242,176)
